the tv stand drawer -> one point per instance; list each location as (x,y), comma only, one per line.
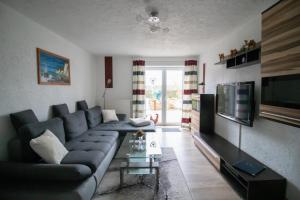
(267,185)
(208,152)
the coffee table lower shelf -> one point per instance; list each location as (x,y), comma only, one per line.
(140,168)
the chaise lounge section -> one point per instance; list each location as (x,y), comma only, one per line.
(122,126)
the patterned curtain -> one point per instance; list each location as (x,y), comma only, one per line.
(190,86)
(138,89)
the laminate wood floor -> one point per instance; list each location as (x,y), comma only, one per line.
(203,180)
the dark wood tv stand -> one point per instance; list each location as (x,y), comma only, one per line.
(267,185)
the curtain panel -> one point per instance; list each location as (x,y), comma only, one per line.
(190,86)
(138,88)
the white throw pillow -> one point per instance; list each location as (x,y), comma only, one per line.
(109,115)
(139,122)
(49,147)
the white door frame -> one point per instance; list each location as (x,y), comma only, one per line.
(164,90)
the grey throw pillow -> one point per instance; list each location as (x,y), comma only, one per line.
(93,116)
(75,124)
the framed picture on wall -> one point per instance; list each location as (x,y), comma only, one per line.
(52,69)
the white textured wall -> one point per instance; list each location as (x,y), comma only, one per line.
(274,144)
(119,97)
(19,38)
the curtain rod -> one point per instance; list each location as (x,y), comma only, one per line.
(166,59)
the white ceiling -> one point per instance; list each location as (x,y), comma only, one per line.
(109,27)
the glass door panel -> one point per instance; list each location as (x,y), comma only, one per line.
(174,91)
(153,96)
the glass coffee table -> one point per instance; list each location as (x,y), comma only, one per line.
(141,156)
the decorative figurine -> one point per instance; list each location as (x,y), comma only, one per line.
(251,44)
(222,57)
(155,120)
(139,134)
(233,52)
(139,143)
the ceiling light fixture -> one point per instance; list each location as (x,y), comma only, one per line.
(154,19)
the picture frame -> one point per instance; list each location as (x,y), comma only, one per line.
(108,71)
(53,69)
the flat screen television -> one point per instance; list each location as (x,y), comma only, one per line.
(235,101)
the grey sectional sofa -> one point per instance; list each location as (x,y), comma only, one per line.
(91,145)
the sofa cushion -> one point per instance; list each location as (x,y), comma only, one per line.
(22,118)
(60,110)
(93,133)
(93,140)
(123,126)
(75,124)
(90,158)
(44,172)
(30,131)
(93,116)
(90,148)
(82,105)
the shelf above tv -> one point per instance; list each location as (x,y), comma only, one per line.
(242,59)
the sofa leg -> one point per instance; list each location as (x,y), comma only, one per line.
(121,177)
(157,180)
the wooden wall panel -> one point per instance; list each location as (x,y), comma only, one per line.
(285,115)
(280,52)
(280,48)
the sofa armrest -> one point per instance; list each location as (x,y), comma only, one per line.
(122,117)
(34,171)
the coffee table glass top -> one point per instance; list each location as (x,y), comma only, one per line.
(150,147)
(129,151)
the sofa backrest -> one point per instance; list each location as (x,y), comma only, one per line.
(122,117)
(75,124)
(15,151)
(82,105)
(60,110)
(33,130)
(93,116)
(22,118)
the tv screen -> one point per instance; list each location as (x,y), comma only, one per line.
(235,101)
(281,91)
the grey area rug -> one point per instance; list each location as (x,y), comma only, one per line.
(170,130)
(172,182)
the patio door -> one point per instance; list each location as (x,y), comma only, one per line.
(164,94)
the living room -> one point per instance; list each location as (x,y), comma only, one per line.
(109,48)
